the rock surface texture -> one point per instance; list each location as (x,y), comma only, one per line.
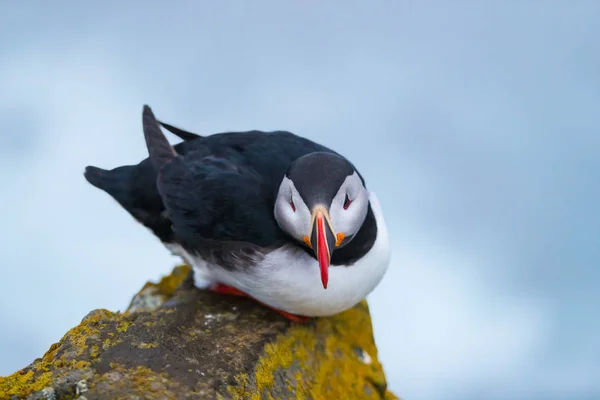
(178,342)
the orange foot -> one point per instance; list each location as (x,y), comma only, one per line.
(224,289)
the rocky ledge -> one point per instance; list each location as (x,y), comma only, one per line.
(178,342)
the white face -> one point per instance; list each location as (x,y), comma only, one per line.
(349,207)
(347,211)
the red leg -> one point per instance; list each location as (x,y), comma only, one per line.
(224,289)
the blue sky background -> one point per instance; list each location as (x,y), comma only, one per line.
(476,123)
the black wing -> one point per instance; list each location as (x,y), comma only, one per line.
(214,198)
(218,209)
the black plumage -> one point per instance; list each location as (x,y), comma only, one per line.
(214,194)
(182,134)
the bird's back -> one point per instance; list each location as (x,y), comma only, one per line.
(254,162)
(269,154)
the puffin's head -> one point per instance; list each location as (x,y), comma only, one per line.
(322,203)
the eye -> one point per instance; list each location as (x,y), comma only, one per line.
(292,205)
(347,202)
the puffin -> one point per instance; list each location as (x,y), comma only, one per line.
(265,214)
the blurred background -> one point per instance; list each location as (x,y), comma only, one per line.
(476,123)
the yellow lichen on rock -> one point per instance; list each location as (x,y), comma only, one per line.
(153,295)
(138,379)
(169,283)
(22,382)
(74,344)
(333,358)
(185,343)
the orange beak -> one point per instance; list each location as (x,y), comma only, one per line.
(323,241)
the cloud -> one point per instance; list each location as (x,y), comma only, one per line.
(67,242)
(443,330)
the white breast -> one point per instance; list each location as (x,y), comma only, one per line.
(289,279)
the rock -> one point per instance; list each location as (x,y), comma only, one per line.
(178,342)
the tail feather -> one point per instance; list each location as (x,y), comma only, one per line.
(116,182)
(134,188)
(180,133)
